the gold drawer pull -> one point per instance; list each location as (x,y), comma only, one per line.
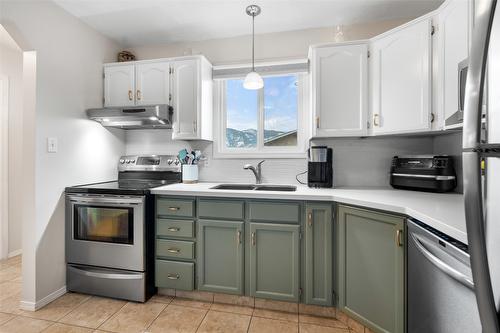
(138,94)
(376,120)
(173,209)
(174,229)
(130,95)
(310,219)
(173,250)
(399,241)
(173,276)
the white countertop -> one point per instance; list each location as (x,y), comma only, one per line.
(444,212)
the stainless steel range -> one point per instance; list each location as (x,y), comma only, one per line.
(110,229)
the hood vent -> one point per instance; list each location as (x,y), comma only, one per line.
(150,116)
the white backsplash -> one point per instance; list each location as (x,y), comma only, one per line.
(356,161)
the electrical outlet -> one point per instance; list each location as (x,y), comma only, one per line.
(206,162)
(52,145)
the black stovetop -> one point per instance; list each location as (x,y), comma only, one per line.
(119,187)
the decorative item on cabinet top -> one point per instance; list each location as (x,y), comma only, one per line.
(125,56)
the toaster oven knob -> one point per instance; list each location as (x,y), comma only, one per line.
(127,161)
(122,161)
(169,162)
(176,162)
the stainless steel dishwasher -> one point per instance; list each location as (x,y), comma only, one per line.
(440,289)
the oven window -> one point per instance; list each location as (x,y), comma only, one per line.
(104,224)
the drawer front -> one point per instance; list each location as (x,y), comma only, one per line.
(175,228)
(221,209)
(174,275)
(288,212)
(174,249)
(175,207)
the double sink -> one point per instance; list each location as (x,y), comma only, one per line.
(252,187)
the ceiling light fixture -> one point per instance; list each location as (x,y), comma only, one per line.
(253,80)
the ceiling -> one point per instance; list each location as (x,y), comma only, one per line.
(146,22)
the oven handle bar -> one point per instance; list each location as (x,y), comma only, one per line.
(99,275)
(111,200)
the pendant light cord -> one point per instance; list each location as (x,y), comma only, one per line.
(253,43)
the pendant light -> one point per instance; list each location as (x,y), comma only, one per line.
(253,80)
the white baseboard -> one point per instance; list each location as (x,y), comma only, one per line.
(14,253)
(33,306)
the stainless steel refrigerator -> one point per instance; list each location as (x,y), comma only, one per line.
(481,162)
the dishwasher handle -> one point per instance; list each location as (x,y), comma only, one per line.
(445,268)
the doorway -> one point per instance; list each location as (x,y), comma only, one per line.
(4,165)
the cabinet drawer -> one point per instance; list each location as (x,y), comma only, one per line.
(175,207)
(274,211)
(174,249)
(174,275)
(175,228)
(220,209)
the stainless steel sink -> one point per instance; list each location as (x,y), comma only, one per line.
(250,187)
(284,188)
(247,187)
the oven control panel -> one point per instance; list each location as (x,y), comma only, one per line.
(149,163)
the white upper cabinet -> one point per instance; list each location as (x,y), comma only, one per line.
(119,85)
(400,76)
(339,89)
(192,99)
(152,83)
(454,23)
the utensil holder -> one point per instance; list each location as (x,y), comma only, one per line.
(189,173)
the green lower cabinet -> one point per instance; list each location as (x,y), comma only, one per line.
(274,261)
(371,266)
(318,286)
(220,256)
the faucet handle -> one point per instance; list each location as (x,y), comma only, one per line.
(247,166)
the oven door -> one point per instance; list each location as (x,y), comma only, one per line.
(105,231)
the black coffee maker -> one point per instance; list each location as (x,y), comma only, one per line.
(319,167)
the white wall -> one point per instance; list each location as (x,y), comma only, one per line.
(11,65)
(69,57)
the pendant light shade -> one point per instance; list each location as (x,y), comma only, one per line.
(253,80)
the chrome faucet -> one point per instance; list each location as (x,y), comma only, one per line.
(256,171)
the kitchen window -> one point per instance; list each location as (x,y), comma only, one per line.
(263,123)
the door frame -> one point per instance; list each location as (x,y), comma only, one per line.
(4,166)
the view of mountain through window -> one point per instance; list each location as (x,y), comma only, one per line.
(278,108)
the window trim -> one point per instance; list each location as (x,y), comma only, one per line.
(303,124)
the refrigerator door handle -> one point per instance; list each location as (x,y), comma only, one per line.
(473,196)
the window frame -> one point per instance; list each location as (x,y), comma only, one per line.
(262,151)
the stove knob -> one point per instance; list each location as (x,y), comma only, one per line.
(122,161)
(127,161)
(132,161)
(169,162)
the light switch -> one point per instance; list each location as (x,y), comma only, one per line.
(52,145)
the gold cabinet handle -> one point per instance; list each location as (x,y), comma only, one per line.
(173,209)
(253,238)
(376,120)
(399,241)
(173,250)
(310,219)
(130,95)
(173,229)
(138,94)
(238,237)
(173,276)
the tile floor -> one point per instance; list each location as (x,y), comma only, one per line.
(76,313)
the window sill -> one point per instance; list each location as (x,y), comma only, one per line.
(263,155)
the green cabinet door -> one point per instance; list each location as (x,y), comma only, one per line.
(372,268)
(318,254)
(274,261)
(220,256)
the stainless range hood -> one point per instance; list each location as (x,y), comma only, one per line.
(139,117)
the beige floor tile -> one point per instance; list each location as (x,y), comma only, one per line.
(266,325)
(310,328)
(178,319)
(10,273)
(191,303)
(58,308)
(276,305)
(222,322)
(5,317)
(355,326)
(11,305)
(308,319)
(63,328)
(280,315)
(93,312)
(24,325)
(133,317)
(234,299)
(245,310)
(9,289)
(161,299)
